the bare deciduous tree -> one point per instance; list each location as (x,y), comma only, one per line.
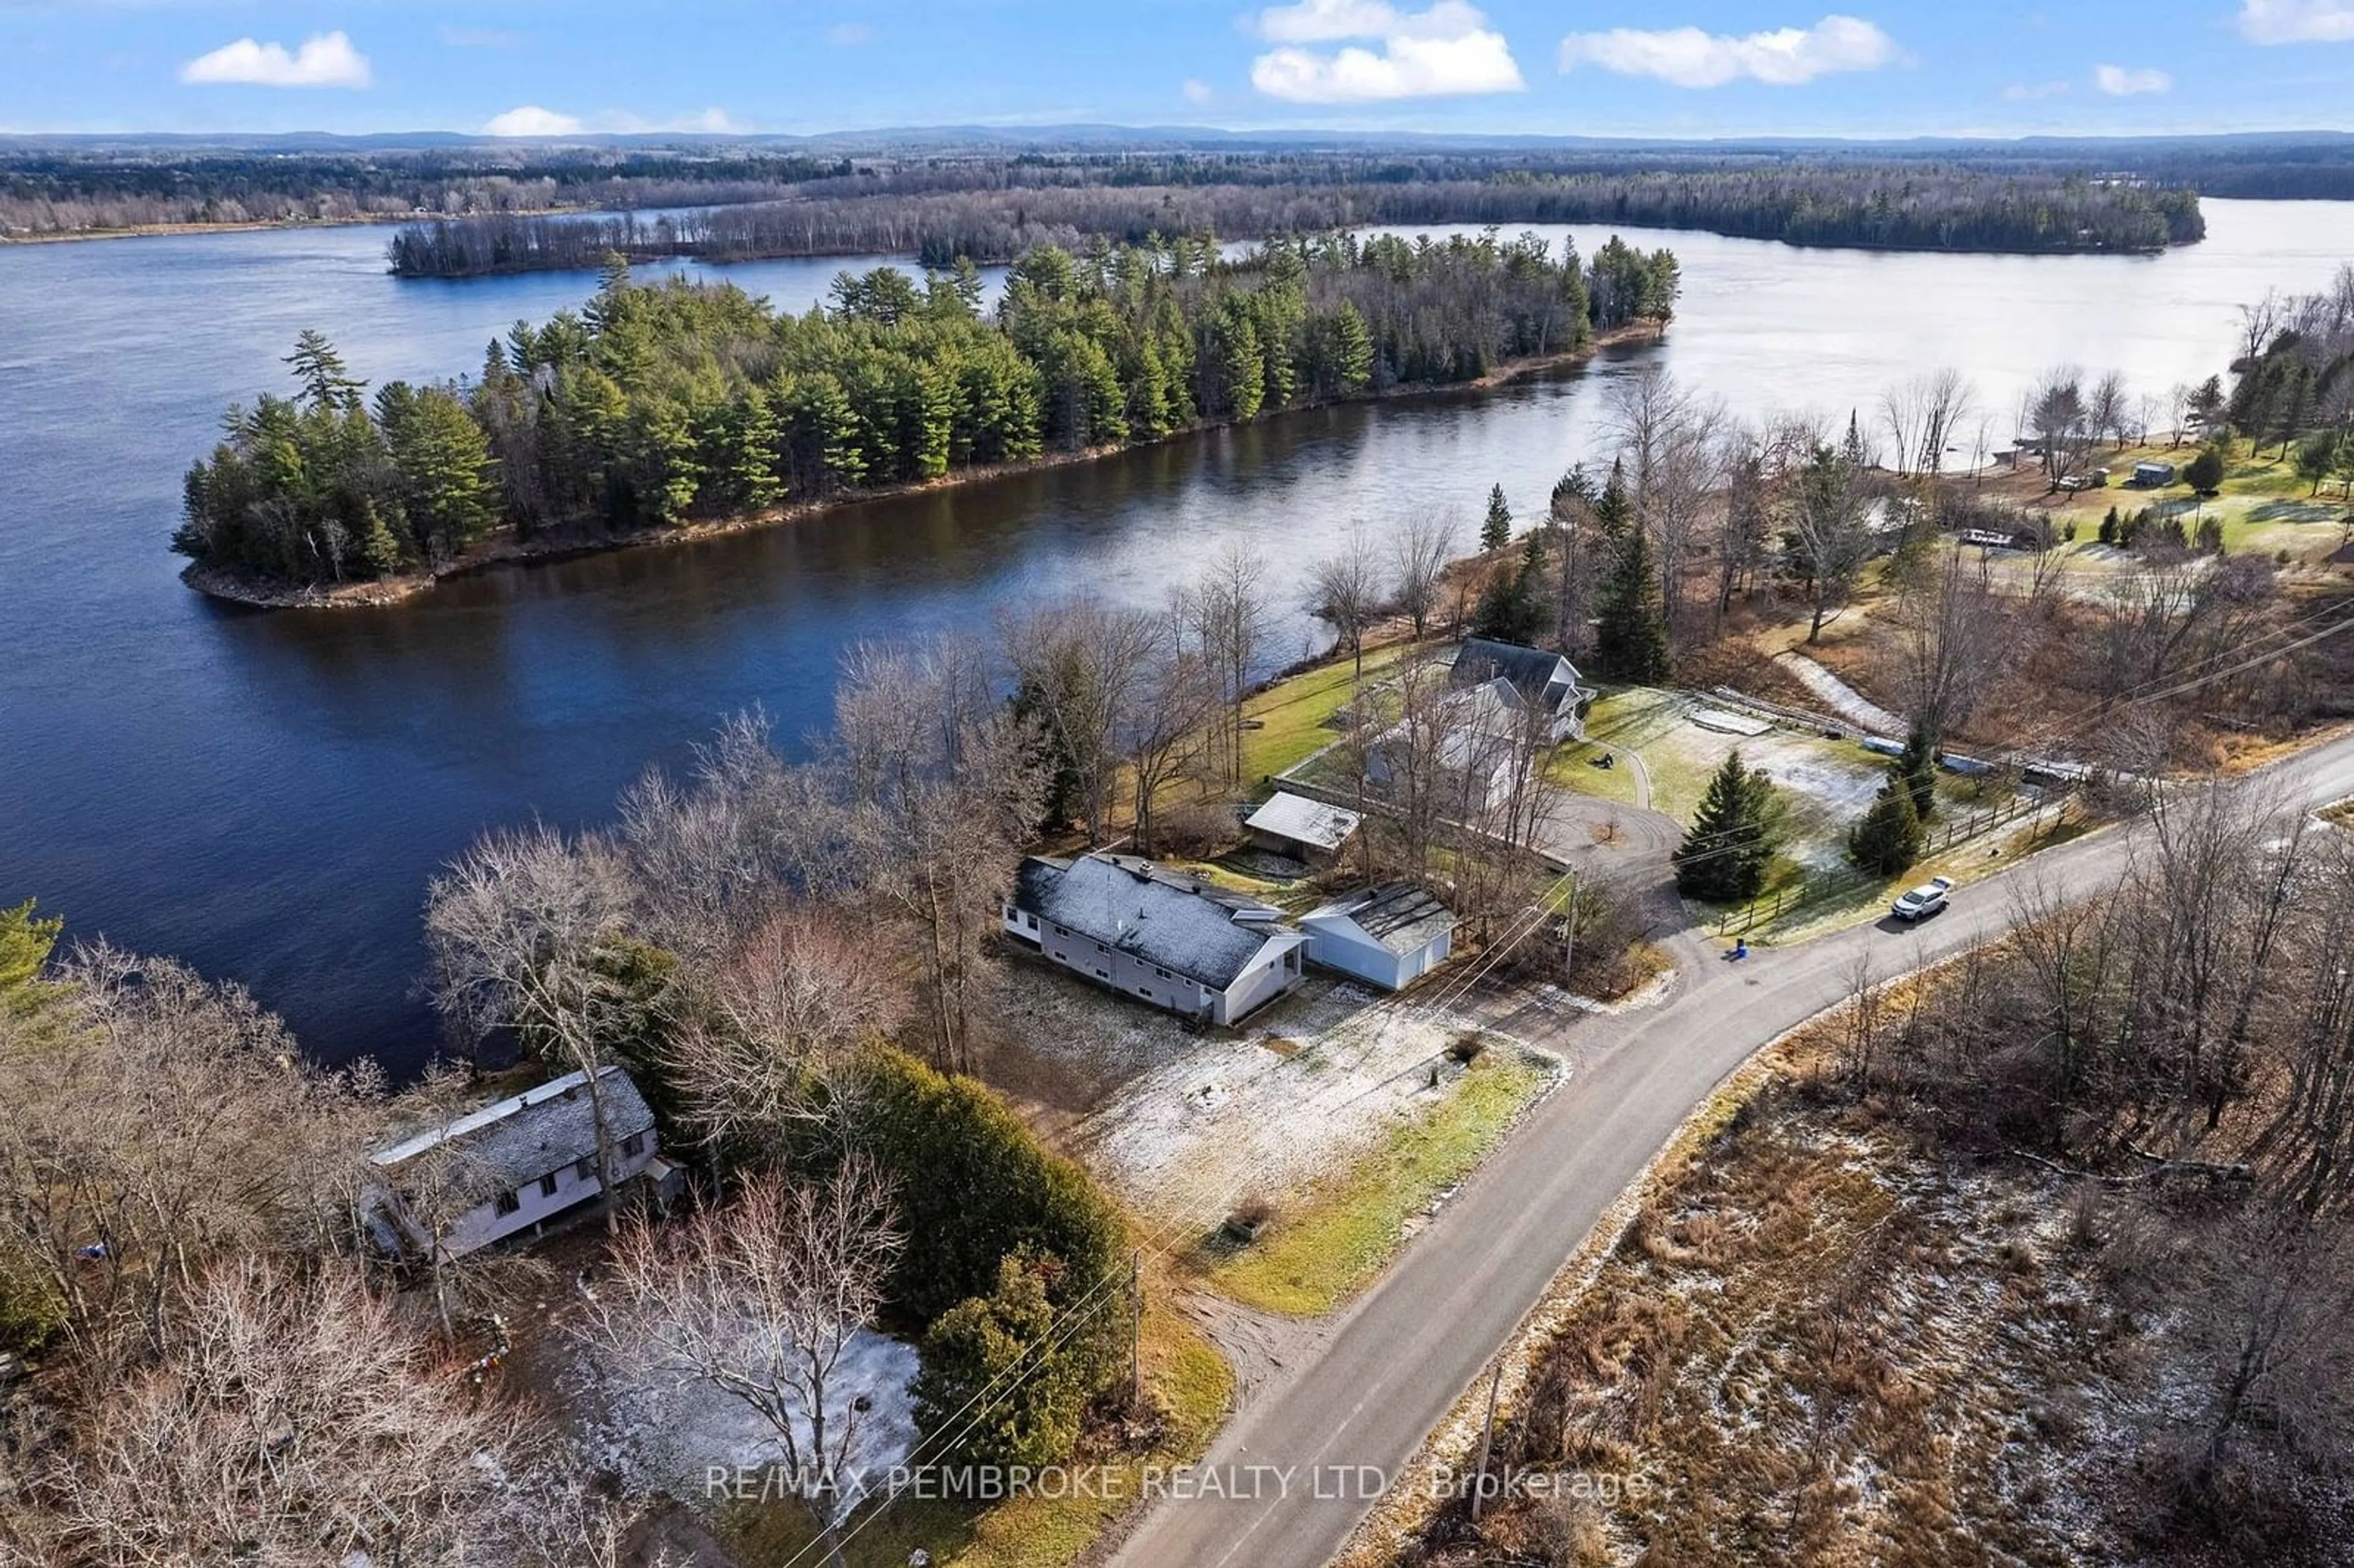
(156,1121)
(760,1300)
(1667,445)
(1955,626)
(1174,701)
(933,809)
(526,931)
(294,1418)
(759,1052)
(1080,663)
(1344,590)
(2057,416)
(1230,614)
(2267,1298)
(1421,546)
(1827,536)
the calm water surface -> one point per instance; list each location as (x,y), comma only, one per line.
(265,794)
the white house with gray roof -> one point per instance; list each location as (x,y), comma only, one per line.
(535,1154)
(1175,941)
(1391,935)
(1538,683)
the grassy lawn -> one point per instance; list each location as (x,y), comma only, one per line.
(1188,1382)
(1573,768)
(2264,506)
(1639,719)
(1324,1249)
(1292,714)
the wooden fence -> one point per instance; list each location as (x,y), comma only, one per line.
(1825,886)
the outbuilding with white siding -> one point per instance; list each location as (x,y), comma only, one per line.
(1391,936)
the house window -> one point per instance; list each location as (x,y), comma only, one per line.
(507,1203)
(1144,991)
(634,1144)
(1103,974)
(585,1170)
(1162,973)
(547,1185)
(1101,948)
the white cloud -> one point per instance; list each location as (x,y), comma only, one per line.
(1687,56)
(2118,81)
(324,59)
(1326,21)
(1196,90)
(1447,49)
(849,34)
(2027,91)
(2297,21)
(531,119)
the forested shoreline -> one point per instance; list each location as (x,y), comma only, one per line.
(1868,207)
(660,406)
(940,195)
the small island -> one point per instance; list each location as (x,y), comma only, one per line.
(660,410)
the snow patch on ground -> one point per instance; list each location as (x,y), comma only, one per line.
(1308,1083)
(1729,722)
(660,1434)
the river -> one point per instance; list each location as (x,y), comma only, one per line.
(265,794)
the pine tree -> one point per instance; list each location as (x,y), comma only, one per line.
(327,385)
(1497,531)
(1889,839)
(2109,527)
(1613,510)
(1916,765)
(1725,857)
(1632,636)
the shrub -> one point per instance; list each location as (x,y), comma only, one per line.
(974,1186)
(2204,473)
(1196,831)
(982,1397)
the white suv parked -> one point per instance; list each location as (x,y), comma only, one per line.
(1923,901)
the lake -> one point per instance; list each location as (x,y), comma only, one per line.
(265,794)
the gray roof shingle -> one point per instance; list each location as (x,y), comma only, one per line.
(1203,933)
(537,1132)
(1544,680)
(1400,916)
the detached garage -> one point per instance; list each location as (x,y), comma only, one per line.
(1390,935)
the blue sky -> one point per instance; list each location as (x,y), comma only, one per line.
(1676,67)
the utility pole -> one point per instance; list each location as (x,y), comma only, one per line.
(1135,1329)
(1487,1438)
(1569,932)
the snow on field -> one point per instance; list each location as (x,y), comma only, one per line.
(1310,1081)
(660,1434)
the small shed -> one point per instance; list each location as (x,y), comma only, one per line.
(1303,829)
(1391,935)
(2152,475)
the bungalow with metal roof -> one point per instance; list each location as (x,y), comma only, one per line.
(1391,935)
(534,1154)
(1147,932)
